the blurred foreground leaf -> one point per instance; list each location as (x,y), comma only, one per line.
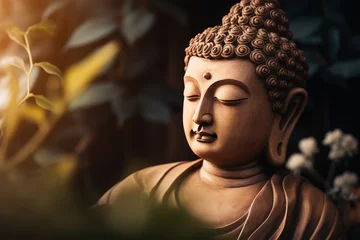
(77,78)
(33,114)
(11,118)
(45,156)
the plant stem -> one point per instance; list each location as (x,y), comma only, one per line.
(30,147)
(28,50)
(30,95)
(331,173)
(28,72)
(318,177)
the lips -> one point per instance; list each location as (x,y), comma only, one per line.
(204,137)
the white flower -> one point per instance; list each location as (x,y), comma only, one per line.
(344,181)
(297,161)
(336,153)
(308,146)
(349,144)
(333,137)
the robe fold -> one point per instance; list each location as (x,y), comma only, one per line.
(287,206)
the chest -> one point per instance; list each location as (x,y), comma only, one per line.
(214,206)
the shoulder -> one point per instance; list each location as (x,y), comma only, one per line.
(139,183)
(317,215)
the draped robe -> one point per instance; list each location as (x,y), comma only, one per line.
(287,206)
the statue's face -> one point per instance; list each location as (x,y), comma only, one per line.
(227,116)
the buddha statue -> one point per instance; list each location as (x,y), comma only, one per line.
(244,91)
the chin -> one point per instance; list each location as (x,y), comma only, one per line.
(207,152)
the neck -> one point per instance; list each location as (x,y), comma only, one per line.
(235,177)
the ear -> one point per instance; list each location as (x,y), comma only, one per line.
(284,124)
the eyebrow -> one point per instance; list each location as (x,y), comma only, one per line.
(231,81)
(221,82)
(191,79)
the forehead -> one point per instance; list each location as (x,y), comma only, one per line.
(236,69)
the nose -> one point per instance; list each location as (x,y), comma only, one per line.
(203,114)
(204,119)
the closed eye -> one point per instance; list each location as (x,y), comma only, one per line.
(192,97)
(230,102)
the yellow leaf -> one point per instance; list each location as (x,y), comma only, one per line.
(17,35)
(60,172)
(11,114)
(50,68)
(6,26)
(67,166)
(33,114)
(43,102)
(44,26)
(77,78)
(17,62)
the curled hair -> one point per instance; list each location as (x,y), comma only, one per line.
(257,30)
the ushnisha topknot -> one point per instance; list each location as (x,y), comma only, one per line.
(257,30)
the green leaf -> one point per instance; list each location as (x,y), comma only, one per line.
(153,109)
(96,94)
(346,69)
(53,7)
(43,102)
(91,30)
(314,62)
(123,106)
(17,35)
(80,75)
(50,68)
(307,29)
(136,24)
(44,26)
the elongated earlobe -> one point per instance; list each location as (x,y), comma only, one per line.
(284,125)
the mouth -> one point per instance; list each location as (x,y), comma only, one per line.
(203,137)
